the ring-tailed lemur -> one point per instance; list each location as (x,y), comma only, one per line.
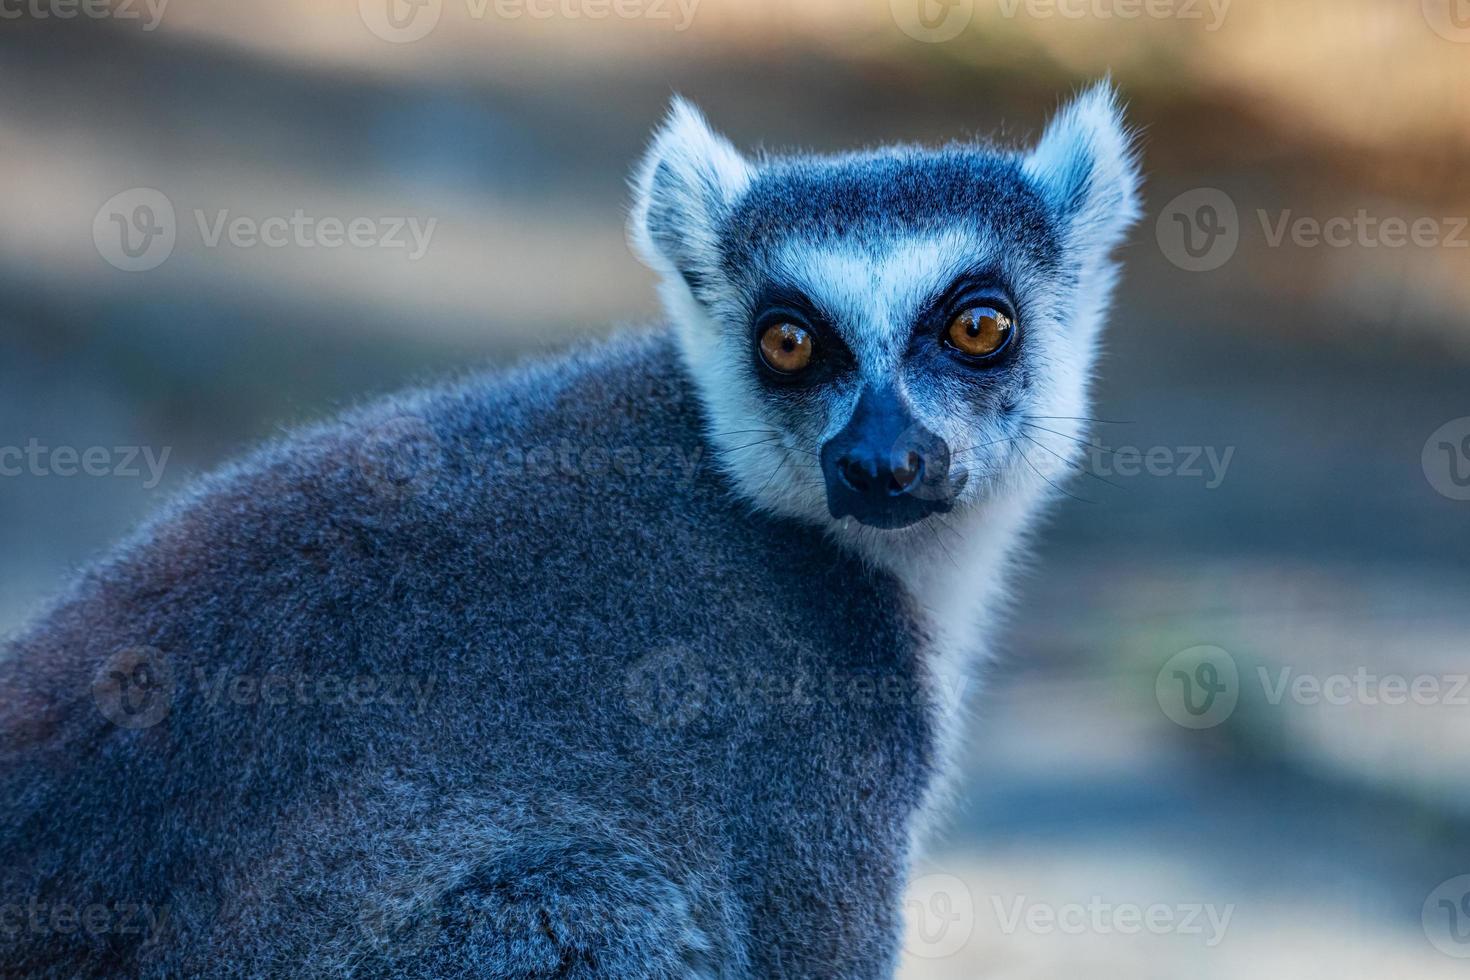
(639,663)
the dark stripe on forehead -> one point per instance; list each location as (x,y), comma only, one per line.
(878,196)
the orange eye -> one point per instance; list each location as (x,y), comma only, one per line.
(786,347)
(980,331)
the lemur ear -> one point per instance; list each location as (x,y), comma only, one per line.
(686,183)
(1087,167)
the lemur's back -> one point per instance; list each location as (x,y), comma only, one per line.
(489,681)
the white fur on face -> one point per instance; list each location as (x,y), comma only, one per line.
(873,295)
(690,180)
(873,292)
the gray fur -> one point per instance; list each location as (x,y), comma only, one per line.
(596,709)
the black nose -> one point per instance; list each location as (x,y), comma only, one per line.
(882,475)
(884,468)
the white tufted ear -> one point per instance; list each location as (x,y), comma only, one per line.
(682,189)
(1087,167)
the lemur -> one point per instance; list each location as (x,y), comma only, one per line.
(646,661)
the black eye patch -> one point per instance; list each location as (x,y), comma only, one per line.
(981,285)
(983,292)
(778,303)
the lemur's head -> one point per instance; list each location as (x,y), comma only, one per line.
(888,335)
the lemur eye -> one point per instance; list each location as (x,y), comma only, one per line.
(980,331)
(786,347)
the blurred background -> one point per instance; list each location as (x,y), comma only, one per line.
(1228,731)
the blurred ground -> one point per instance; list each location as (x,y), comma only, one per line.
(1326,545)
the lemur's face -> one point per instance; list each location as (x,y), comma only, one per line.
(889,336)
